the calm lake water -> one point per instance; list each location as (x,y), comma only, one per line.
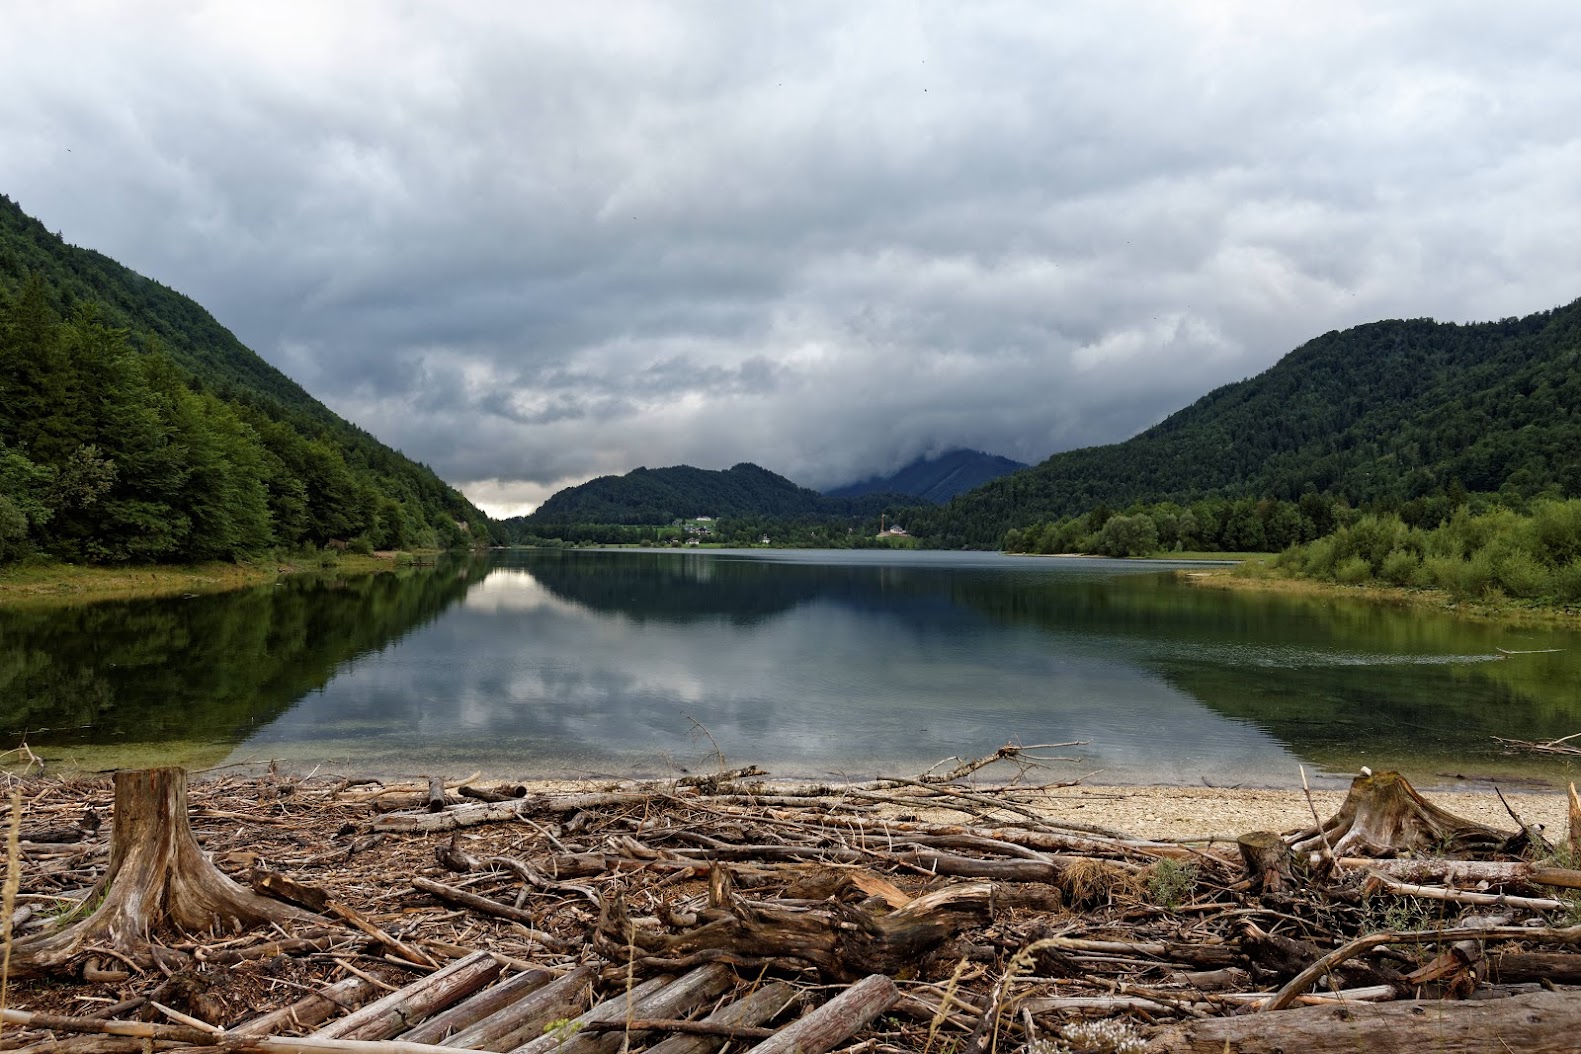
(811,664)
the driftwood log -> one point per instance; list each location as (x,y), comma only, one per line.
(1541,1023)
(843,942)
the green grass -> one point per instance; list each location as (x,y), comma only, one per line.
(52,584)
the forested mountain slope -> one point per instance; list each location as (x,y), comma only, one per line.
(1384,412)
(935,479)
(134,426)
(660,495)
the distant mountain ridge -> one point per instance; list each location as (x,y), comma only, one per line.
(935,479)
(1384,412)
(660,495)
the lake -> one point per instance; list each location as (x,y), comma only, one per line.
(813,664)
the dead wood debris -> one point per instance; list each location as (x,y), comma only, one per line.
(716,913)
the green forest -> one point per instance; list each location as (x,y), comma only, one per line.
(1495,553)
(136,428)
(660,495)
(1380,416)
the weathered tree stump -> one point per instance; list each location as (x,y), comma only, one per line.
(158,880)
(1267,860)
(1383,815)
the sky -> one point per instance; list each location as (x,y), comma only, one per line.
(533,243)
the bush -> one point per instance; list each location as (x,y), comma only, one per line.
(1521,575)
(1400,567)
(360,545)
(1476,576)
(1556,532)
(1353,571)
(1567,583)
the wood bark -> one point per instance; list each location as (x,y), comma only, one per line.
(400,1010)
(760,1006)
(671,1000)
(1574,813)
(1383,815)
(315,899)
(310,1010)
(836,1021)
(617,1007)
(468,1013)
(1464,873)
(842,941)
(1267,860)
(1515,967)
(509,1026)
(158,880)
(1542,1023)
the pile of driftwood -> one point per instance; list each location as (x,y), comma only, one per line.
(316,916)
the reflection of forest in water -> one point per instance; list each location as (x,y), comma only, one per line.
(205,668)
(1325,676)
(779,649)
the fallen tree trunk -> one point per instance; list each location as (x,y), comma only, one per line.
(158,879)
(1541,1023)
(844,942)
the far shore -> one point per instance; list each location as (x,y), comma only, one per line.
(42,585)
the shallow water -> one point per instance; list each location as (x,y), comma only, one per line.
(811,664)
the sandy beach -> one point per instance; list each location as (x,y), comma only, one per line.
(1173,813)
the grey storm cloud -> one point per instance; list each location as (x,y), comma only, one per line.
(530,244)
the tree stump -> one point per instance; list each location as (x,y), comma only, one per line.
(158,880)
(1383,815)
(1267,860)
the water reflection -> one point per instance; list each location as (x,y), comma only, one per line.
(811,664)
(608,662)
(189,677)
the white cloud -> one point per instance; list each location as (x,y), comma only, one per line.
(530,245)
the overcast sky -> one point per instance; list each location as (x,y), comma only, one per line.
(532,243)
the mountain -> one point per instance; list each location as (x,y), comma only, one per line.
(660,495)
(136,426)
(1382,413)
(935,479)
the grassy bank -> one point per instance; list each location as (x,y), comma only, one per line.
(1262,577)
(44,584)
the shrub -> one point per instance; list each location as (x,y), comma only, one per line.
(1520,575)
(1400,567)
(1556,532)
(1353,571)
(1567,583)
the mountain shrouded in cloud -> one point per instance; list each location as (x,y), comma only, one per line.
(533,245)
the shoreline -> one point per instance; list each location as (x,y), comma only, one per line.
(57,583)
(1434,601)
(1159,812)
